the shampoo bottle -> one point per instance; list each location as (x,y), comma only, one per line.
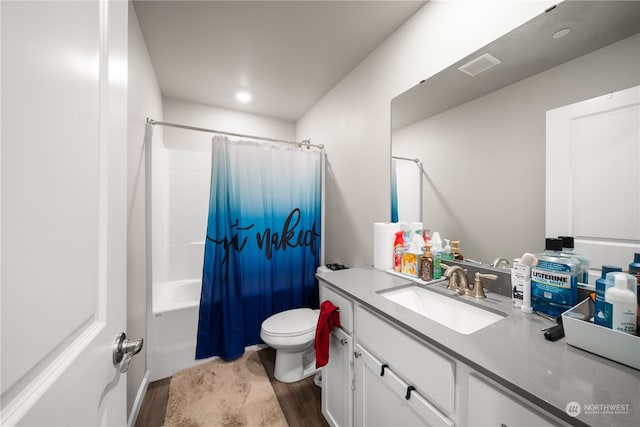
(622,297)
(568,249)
(602,311)
(554,280)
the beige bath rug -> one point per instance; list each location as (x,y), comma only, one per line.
(229,394)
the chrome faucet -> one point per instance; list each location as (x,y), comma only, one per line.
(498,262)
(454,274)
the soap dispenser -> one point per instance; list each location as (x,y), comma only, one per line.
(426,264)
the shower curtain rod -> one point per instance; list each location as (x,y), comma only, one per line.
(406,158)
(305,143)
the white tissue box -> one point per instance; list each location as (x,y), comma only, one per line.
(615,345)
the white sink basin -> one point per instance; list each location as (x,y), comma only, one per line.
(457,315)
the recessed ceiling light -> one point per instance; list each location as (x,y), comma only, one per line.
(561,33)
(243,96)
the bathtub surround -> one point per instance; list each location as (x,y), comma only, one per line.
(262,241)
(236,393)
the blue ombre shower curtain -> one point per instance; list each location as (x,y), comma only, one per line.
(263,241)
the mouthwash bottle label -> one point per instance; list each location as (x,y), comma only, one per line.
(554,287)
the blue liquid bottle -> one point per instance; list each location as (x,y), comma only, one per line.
(554,280)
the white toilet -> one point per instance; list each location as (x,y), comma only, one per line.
(292,333)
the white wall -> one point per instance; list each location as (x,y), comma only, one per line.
(490,189)
(353,120)
(143,101)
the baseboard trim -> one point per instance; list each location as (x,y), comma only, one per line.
(137,404)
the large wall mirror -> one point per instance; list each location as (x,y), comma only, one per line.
(481,138)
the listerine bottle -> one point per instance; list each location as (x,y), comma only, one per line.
(554,280)
(568,249)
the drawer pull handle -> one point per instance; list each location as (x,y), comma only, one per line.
(343,341)
(382,370)
(409,390)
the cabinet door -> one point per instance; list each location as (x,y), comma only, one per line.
(380,400)
(489,406)
(337,381)
(431,373)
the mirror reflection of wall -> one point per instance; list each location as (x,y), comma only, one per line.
(484,160)
(406,189)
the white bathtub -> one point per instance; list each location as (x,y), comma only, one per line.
(172,327)
(177,295)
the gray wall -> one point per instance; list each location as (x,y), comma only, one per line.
(353,120)
(485,160)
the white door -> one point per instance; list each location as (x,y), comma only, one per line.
(63,211)
(593,178)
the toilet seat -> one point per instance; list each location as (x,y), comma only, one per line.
(291,323)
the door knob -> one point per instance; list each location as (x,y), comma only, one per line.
(124,350)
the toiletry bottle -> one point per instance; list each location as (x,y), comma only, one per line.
(554,280)
(426,237)
(447,253)
(398,248)
(634,270)
(455,247)
(419,240)
(426,265)
(436,251)
(520,274)
(568,248)
(407,236)
(624,306)
(602,311)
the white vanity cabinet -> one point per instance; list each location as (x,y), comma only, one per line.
(381,374)
(382,398)
(337,375)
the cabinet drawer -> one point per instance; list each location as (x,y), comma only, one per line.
(431,373)
(490,406)
(384,399)
(343,303)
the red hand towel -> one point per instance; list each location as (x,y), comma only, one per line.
(328,319)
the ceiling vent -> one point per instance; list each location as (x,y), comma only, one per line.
(479,65)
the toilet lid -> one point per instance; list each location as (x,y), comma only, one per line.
(294,322)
